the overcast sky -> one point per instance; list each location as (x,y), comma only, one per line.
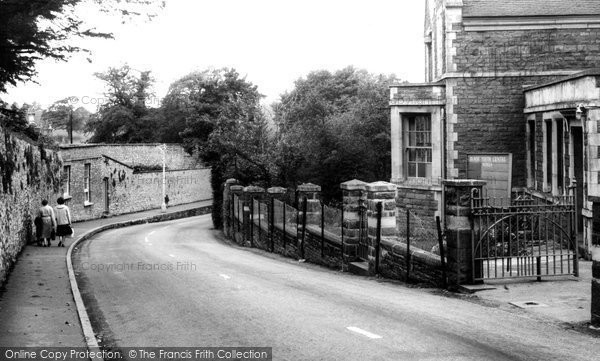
(271,42)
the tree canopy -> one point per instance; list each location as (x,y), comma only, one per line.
(334,127)
(39,29)
(124,116)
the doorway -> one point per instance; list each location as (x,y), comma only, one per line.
(106,197)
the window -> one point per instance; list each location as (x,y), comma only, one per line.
(418,145)
(67,170)
(86,182)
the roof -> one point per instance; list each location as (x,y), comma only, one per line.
(582,74)
(513,8)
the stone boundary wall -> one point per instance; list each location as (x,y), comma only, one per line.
(135,155)
(425,267)
(29,173)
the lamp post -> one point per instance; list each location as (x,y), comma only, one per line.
(163,149)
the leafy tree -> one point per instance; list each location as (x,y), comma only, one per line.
(224,124)
(15,118)
(38,29)
(62,115)
(124,117)
(333,127)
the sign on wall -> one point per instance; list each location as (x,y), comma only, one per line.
(495,169)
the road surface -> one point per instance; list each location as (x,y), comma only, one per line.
(177,284)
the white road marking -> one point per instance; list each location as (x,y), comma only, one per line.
(225,276)
(171,255)
(146,239)
(151,233)
(363,332)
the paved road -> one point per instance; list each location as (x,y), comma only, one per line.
(210,293)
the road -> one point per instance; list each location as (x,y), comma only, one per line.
(178,284)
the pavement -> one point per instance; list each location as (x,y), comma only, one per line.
(36,303)
(564,299)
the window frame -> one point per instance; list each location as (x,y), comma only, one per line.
(407,134)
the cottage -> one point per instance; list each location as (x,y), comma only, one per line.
(111,179)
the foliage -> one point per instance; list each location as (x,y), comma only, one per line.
(62,115)
(15,119)
(39,29)
(221,119)
(333,127)
(124,117)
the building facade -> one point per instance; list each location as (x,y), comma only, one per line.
(109,179)
(466,121)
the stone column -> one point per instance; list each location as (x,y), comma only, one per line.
(237,228)
(313,210)
(227,212)
(251,193)
(596,264)
(274,193)
(354,197)
(384,193)
(457,211)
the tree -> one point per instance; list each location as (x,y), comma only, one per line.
(124,117)
(224,124)
(62,115)
(38,29)
(333,127)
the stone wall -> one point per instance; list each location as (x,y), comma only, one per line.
(143,155)
(127,178)
(134,191)
(30,173)
(325,248)
(489,113)
(423,203)
(526,50)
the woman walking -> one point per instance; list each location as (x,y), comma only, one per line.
(63,219)
(48,223)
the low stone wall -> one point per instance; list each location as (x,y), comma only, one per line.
(325,248)
(424,266)
(326,251)
(30,173)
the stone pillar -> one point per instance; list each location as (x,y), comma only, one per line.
(457,211)
(596,264)
(227,212)
(313,210)
(354,197)
(251,193)
(384,193)
(237,228)
(274,193)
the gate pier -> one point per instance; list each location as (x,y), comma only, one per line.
(457,209)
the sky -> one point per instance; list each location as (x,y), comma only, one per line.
(270,42)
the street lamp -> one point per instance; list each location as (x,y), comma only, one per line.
(163,149)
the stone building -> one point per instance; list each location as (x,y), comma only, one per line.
(110,179)
(467,120)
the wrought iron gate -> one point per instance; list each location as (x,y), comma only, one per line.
(363,235)
(525,237)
